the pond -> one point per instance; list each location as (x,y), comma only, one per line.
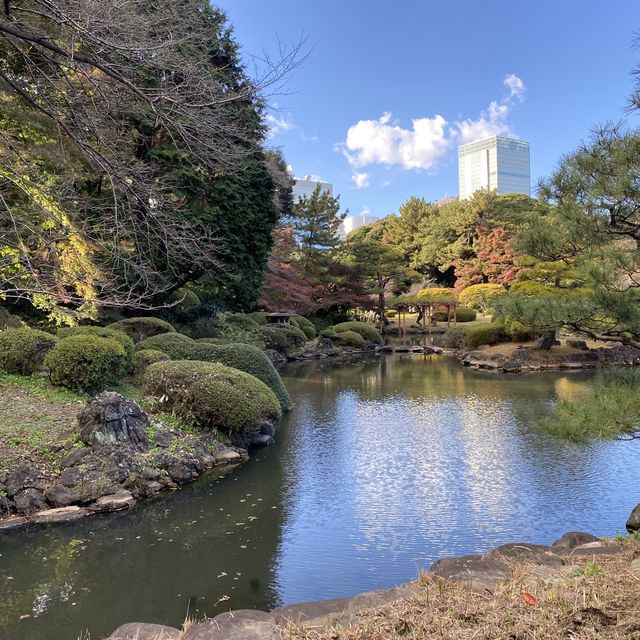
(384,465)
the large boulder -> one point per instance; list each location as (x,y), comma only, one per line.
(633,523)
(475,572)
(244,624)
(110,419)
(144,631)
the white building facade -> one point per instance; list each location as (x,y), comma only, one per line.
(351,223)
(304,187)
(494,163)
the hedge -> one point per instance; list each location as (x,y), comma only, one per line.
(491,333)
(23,350)
(143,327)
(176,345)
(146,357)
(105,332)
(211,340)
(349,338)
(306,326)
(240,320)
(249,359)
(259,316)
(481,296)
(210,395)
(463,314)
(86,362)
(367,331)
(283,338)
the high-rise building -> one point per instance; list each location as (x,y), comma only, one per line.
(494,163)
(304,187)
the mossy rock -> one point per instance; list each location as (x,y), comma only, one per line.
(143,327)
(146,357)
(249,359)
(105,332)
(176,345)
(283,338)
(367,331)
(306,326)
(23,350)
(210,395)
(349,339)
(86,362)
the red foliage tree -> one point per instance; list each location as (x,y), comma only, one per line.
(493,259)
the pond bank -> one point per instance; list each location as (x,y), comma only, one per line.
(121,457)
(580,585)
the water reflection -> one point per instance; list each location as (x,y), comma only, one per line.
(384,465)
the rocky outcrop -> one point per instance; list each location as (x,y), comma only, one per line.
(633,523)
(110,419)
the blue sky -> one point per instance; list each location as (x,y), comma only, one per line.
(390,89)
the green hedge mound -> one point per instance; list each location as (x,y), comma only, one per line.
(23,350)
(492,333)
(306,326)
(367,331)
(349,339)
(146,357)
(283,338)
(105,332)
(144,327)
(249,359)
(463,314)
(86,362)
(176,345)
(211,395)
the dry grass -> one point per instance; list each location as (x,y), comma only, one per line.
(598,598)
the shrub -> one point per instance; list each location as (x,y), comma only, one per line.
(390,313)
(519,332)
(490,333)
(211,341)
(367,331)
(234,332)
(105,332)
(463,314)
(481,297)
(146,357)
(259,316)
(86,362)
(240,320)
(175,345)
(349,339)
(23,350)
(249,359)
(187,302)
(144,327)
(204,327)
(283,338)
(328,333)
(210,395)
(8,320)
(306,326)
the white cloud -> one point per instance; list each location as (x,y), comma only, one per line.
(385,142)
(277,124)
(360,179)
(365,211)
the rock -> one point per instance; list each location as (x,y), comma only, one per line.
(275,356)
(63,514)
(372,599)
(517,360)
(526,553)
(601,548)
(181,473)
(24,477)
(573,539)
(29,501)
(61,496)
(164,439)
(143,631)
(577,344)
(74,457)
(635,565)
(12,522)
(476,572)
(109,418)
(545,343)
(325,344)
(633,523)
(261,440)
(115,502)
(236,625)
(227,456)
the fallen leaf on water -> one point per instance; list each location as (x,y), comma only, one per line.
(529,599)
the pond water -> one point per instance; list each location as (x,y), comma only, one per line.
(384,465)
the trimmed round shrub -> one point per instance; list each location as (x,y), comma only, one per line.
(367,331)
(481,296)
(328,333)
(211,395)
(349,339)
(490,333)
(146,357)
(249,359)
(105,332)
(85,362)
(306,326)
(9,321)
(463,314)
(144,327)
(211,340)
(176,345)
(23,350)
(187,301)
(241,320)
(283,338)
(204,327)
(390,313)
(519,332)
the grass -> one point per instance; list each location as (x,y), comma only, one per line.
(593,601)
